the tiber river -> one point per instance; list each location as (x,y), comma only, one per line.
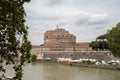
(53,71)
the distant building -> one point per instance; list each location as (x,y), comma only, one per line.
(60,40)
(59,43)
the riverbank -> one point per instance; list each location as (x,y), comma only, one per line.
(96,66)
(84,65)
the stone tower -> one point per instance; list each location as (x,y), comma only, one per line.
(59,38)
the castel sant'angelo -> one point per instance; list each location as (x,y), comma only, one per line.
(61,40)
(61,43)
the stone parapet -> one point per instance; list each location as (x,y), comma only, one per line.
(98,55)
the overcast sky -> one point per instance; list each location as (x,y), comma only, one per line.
(86,19)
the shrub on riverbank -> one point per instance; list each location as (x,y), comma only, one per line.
(33,58)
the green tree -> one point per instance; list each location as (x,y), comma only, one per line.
(94,45)
(102,37)
(99,45)
(14,42)
(33,58)
(101,40)
(113,40)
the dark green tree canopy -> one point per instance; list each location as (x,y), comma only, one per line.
(99,45)
(113,40)
(102,37)
(14,42)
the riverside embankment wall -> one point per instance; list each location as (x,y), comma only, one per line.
(98,55)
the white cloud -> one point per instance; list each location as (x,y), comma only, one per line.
(85,18)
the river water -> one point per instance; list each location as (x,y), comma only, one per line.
(53,71)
